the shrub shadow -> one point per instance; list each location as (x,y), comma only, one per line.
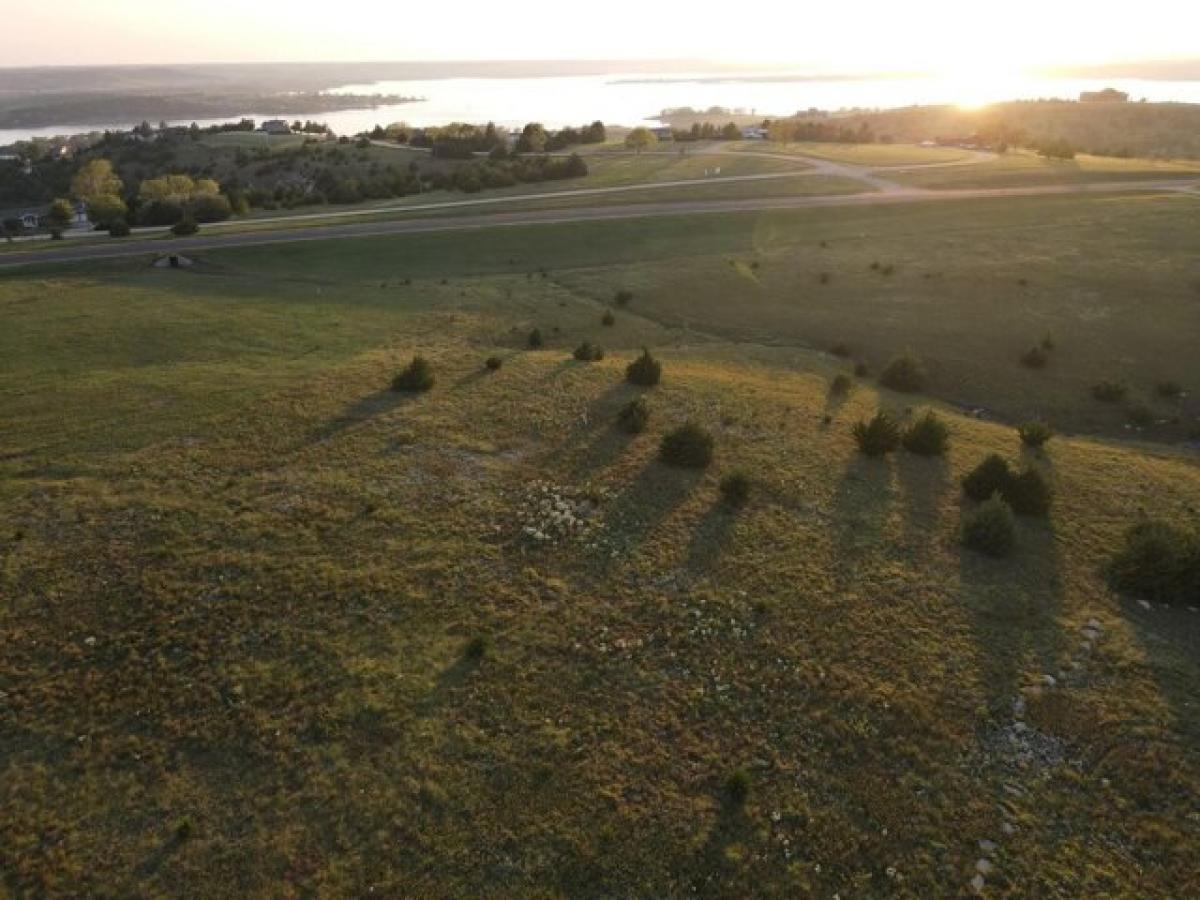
(711,536)
(861,506)
(923,482)
(358,413)
(656,492)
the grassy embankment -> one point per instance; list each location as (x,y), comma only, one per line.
(240,574)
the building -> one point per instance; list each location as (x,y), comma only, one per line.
(30,221)
(754,133)
(276,126)
(1108,95)
(663,132)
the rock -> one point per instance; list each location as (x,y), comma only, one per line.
(983,865)
(1049,680)
(90,641)
(1008,827)
(1091,633)
(977,883)
(987,846)
(1144,604)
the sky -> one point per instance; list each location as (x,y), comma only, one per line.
(946,37)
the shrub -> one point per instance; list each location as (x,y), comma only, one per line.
(1160,562)
(535,339)
(989,477)
(645,371)
(1035,358)
(622,297)
(184,228)
(841,348)
(1140,414)
(1034,434)
(475,649)
(737,786)
(1168,390)
(841,385)
(417,376)
(634,416)
(878,437)
(990,528)
(689,446)
(1028,493)
(928,436)
(735,488)
(861,370)
(1108,391)
(608,319)
(1048,342)
(119,229)
(493,363)
(589,352)
(905,373)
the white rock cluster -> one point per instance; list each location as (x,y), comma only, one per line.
(552,514)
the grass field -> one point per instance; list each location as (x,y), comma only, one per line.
(861,154)
(1015,169)
(240,575)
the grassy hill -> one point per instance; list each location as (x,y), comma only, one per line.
(271,628)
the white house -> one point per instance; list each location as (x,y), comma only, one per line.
(30,220)
(663,132)
(276,126)
(754,133)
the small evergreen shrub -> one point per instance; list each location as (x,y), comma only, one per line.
(589,352)
(1048,342)
(989,477)
(416,377)
(1108,391)
(990,528)
(535,339)
(841,385)
(1035,358)
(475,649)
(645,371)
(688,446)
(861,370)
(1140,415)
(905,373)
(119,229)
(1034,434)
(735,488)
(1028,493)
(878,437)
(623,297)
(1160,562)
(928,436)
(634,416)
(493,363)
(608,319)
(1168,390)
(185,228)
(737,786)
(841,348)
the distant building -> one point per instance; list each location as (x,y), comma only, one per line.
(1108,95)
(663,132)
(276,126)
(30,220)
(754,133)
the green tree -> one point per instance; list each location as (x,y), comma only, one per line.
(61,214)
(96,179)
(533,139)
(106,209)
(640,139)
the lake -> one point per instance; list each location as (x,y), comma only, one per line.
(632,99)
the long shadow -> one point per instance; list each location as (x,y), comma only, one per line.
(711,868)
(656,492)
(601,441)
(1014,606)
(358,413)
(1170,637)
(711,536)
(923,481)
(861,506)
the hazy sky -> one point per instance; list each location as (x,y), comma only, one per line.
(948,36)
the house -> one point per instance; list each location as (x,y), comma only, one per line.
(754,133)
(1108,95)
(276,126)
(663,132)
(81,216)
(30,221)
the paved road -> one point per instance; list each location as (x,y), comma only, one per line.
(133,248)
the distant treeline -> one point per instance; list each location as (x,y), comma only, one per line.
(1051,127)
(461,140)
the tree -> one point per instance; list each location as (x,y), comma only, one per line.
(533,139)
(576,167)
(173,188)
(106,210)
(13,228)
(96,179)
(61,214)
(640,139)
